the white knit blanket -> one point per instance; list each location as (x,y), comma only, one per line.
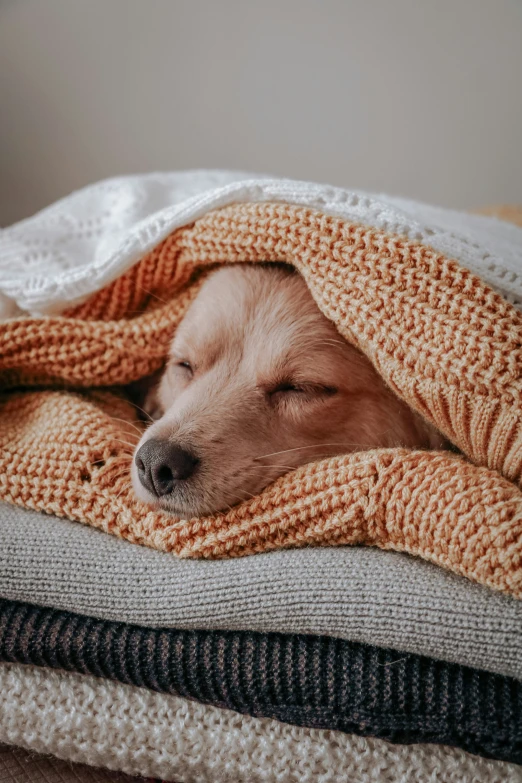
(80,244)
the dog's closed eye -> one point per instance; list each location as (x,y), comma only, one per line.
(183,366)
(299,391)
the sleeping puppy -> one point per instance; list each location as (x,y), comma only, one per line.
(259,381)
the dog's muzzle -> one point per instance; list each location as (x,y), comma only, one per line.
(161,465)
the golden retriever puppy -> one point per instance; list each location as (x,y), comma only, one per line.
(258,382)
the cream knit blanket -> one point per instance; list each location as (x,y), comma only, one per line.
(134,730)
(441,338)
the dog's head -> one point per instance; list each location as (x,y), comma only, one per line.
(258,381)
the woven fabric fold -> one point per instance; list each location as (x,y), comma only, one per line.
(442,339)
(311,681)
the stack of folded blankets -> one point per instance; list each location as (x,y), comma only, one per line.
(360,620)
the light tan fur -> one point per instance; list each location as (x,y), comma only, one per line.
(259,382)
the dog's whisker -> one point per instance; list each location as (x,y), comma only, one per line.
(250,495)
(124,472)
(154,296)
(139,408)
(129,424)
(238,497)
(310,446)
(271,466)
(128,455)
(126,443)
(122,490)
(125,486)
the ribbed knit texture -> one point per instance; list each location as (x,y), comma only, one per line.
(141,732)
(358,593)
(440,337)
(311,681)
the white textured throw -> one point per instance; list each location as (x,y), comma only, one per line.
(138,731)
(81,243)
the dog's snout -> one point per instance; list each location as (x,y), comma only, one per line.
(161,464)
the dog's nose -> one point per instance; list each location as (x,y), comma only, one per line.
(161,464)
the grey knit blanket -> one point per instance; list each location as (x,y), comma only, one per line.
(360,594)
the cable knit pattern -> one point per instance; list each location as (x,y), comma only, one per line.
(440,337)
(313,681)
(133,730)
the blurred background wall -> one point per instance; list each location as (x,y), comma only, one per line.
(421,98)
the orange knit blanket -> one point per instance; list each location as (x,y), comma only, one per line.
(443,340)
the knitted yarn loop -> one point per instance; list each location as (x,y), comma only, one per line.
(440,337)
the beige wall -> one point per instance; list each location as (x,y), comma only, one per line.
(421,98)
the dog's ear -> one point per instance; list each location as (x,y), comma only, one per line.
(144,395)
